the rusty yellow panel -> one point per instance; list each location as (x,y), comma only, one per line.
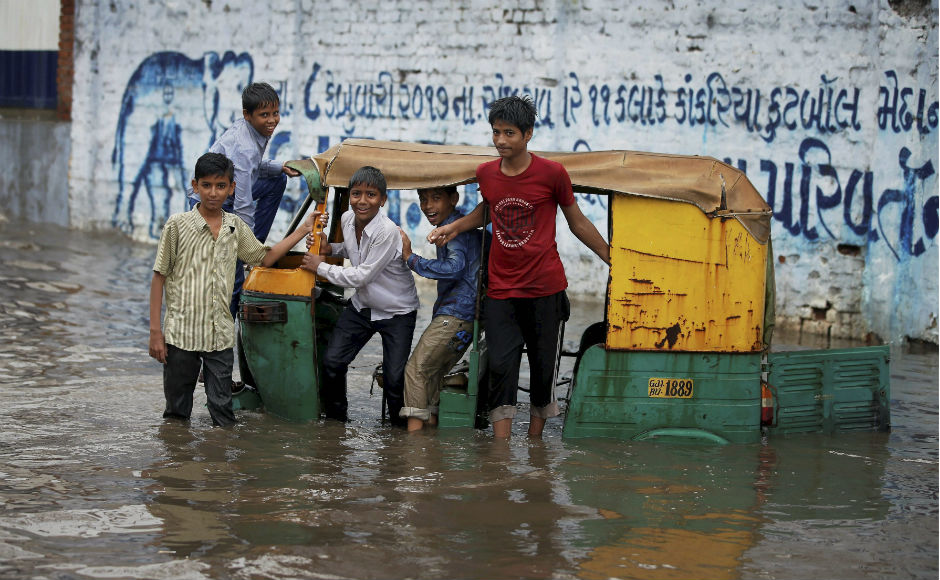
(285,282)
(682,281)
(286,279)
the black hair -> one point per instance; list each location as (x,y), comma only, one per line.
(448,189)
(368,175)
(515,110)
(257,95)
(212,164)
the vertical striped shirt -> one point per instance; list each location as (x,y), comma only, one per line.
(200,274)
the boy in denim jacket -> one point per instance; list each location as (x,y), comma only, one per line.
(451,329)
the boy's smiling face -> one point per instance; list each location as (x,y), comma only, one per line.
(213,190)
(437,204)
(365,202)
(509,141)
(265,118)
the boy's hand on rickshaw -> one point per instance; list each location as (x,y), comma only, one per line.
(311,262)
(405,245)
(311,220)
(289,172)
(325,248)
(324,219)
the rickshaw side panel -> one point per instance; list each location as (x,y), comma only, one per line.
(681,280)
(611,396)
(458,406)
(280,355)
(830,390)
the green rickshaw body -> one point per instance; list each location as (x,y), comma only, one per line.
(684,349)
(278,337)
(708,396)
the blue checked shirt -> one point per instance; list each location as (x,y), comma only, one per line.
(245,148)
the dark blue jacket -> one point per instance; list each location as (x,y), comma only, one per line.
(455,269)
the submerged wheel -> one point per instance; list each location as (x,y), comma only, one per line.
(593,334)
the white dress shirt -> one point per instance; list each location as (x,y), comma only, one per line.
(383,282)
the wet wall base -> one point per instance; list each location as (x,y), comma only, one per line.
(34,167)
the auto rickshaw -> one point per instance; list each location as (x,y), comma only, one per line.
(683,350)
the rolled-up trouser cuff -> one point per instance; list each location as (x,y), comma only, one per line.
(502,412)
(548,411)
(422,414)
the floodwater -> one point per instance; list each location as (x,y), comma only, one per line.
(94,484)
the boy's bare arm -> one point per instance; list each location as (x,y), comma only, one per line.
(281,248)
(443,234)
(157,341)
(584,230)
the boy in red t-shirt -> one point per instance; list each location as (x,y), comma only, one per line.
(526,301)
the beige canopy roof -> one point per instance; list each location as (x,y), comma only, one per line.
(689,179)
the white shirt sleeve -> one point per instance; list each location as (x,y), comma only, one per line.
(380,252)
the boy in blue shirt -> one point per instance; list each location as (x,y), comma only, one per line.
(451,329)
(259,183)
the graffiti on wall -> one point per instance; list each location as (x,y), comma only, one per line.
(814,196)
(812,199)
(167,92)
(842,205)
(832,107)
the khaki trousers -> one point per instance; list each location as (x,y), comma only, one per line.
(441,345)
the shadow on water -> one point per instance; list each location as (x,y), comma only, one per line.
(94,484)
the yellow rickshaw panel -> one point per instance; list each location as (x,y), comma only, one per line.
(681,280)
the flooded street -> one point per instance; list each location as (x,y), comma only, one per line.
(94,483)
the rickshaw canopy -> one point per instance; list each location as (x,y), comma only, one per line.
(699,181)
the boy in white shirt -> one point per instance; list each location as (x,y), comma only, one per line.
(385,301)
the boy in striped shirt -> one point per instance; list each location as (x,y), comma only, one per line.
(195,269)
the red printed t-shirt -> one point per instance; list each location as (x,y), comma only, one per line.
(524,261)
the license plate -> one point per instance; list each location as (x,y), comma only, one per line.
(670,388)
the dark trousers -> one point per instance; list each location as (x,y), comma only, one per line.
(534,323)
(353,330)
(267,193)
(179,382)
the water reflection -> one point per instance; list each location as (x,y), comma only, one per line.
(194,488)
(708,512)
(93,482)
(371,503)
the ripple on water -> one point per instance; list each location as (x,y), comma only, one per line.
(11,552)
(277,566)
(169,570)
(128,519)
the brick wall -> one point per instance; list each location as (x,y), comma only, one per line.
(65,70)
(831,108)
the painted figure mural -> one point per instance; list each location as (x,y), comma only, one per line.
(169,91)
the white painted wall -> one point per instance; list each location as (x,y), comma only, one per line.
(29,24)
(830,106)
